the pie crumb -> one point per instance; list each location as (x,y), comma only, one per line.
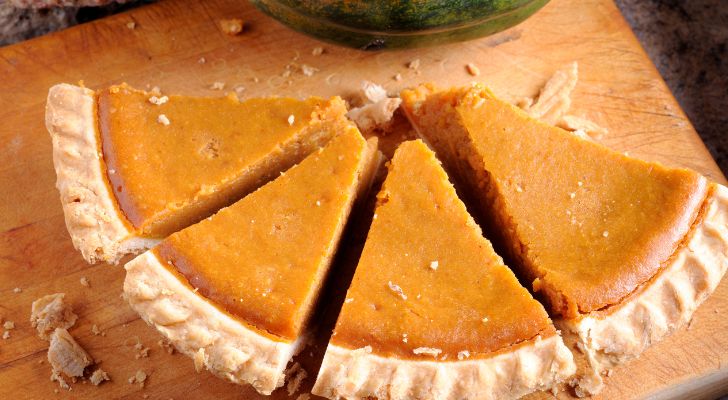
(296,374)
(404,338)
(217,85)
(162,119)
(485,319)
(430,351)
(140,377)
(317,51)
(6,335)
(232,26)
(131,25)
(199,359)
(9,325)
(166,346)
(98,377)
(473,70)
(318,203)
(95,330)
(291,119)
(434,265)
(66,356)
(605,233)
(308,70)
(158,100)
(463,355)
(50,312)
(397,290)
(397,77)
(201,60)
(84,282)
(17,290)
(414,64)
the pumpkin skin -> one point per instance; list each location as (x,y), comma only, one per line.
(393,24)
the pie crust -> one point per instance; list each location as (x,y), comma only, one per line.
(665,304)
(212,338)
(97,227)
(533,365)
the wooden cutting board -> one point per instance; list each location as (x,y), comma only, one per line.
(618,88)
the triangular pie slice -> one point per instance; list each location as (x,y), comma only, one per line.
(134,166)
(621,249)
(235,291)
(432,311)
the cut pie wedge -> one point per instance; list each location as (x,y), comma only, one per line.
(235,291)
(432,312)
(134,167)
(622,250)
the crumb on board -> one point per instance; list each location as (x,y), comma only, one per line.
(131,25)
(472,69)
(231,26)
(376,110)
(317,51)
(165,345)
(217,85)
(162,119)
(66,356)
(429,351)
(17,290)
(414,64)
(295,376)
(50,312)
(98,377)
(84,282)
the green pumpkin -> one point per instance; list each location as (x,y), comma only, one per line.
(382,24)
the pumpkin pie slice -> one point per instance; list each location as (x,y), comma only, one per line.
(432,311)
(134,166)
(622,250)
(235,291)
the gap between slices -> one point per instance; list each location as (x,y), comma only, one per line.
(432,311)
(235,291)
(621,250)
(132,167)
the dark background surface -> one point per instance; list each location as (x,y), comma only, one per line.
(686,39)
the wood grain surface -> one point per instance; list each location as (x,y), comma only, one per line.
(618,88)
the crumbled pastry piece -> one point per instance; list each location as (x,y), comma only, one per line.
(99,376)
(141,377)
(131,25)
(463,355)
(317,51)
(232,26)
(217,86)
(56,377)
(84,282)
(414,64)
(430,351)
(166,346)
(397,290)
(66,356)
(472,69)
(158,100)
(308,70)
(295,376)
(555,98)
(397,77)
(162,119)
(291,119)
(6,335)
(434,265)
(582,127)
(376,109)
(51,312)
(95,330)
(9,325)
(200,359)
(17,290)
